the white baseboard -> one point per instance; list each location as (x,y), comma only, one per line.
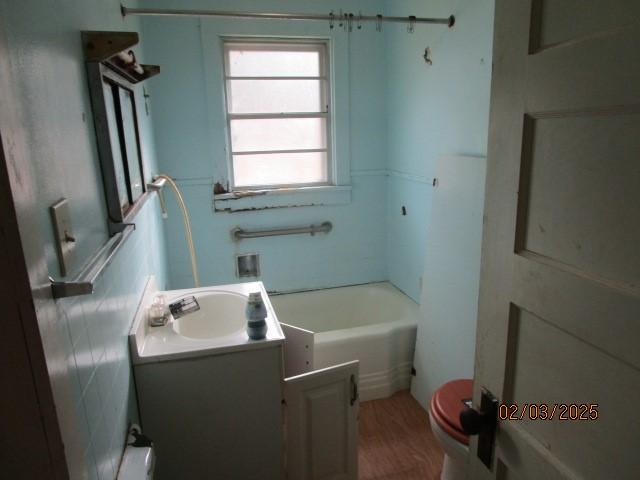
(383,384)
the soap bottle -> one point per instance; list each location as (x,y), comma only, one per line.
(256,313)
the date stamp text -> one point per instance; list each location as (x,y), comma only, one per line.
(549,411)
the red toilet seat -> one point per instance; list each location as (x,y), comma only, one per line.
(447,403)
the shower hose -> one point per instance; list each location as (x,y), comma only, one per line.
(187,226)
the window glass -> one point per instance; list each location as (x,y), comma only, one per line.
(272,61)
(277,113)
(284,168)
(277,134)
(279,96)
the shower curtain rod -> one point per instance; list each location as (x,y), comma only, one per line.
(346,18)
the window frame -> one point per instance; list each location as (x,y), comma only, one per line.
(303,44)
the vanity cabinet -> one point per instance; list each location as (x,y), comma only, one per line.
(219,406)
(215,417)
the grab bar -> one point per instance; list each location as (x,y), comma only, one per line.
(85,281)
(239,234)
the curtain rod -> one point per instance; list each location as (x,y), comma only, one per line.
(348,19)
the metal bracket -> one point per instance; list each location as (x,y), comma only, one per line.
(411,27)
(119,227)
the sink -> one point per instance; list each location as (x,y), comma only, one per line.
(218,327)
(221,314)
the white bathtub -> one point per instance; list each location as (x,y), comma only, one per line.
(374,323)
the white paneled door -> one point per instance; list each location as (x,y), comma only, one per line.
(322,424)
(559,313)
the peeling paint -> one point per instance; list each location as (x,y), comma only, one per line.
(257,209)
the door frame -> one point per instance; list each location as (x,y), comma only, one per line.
(33,358)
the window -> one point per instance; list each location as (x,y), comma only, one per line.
(277,99)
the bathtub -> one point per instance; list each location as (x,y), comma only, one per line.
(374,323)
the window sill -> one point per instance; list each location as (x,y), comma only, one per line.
(253,200)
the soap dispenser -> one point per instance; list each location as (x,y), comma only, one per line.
(256,313)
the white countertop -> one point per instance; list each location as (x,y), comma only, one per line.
(156,344)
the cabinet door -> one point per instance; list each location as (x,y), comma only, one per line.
(322,424)
(298,350)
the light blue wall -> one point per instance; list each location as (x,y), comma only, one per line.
(190,139)
(433,110)
(49,74)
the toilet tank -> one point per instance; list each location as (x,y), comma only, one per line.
(138,460)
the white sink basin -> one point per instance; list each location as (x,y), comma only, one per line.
(221,314)
(218,327)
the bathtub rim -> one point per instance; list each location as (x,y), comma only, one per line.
(383,327)
(363,331)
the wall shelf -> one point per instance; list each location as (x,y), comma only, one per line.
(113,49)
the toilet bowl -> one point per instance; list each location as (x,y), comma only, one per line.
(444,416)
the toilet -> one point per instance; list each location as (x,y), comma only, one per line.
(444,415)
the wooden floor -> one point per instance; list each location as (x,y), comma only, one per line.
(396,441)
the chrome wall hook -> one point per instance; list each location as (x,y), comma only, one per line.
(331,20)
(350,22)
(412,24)
(360,20)
(378,23)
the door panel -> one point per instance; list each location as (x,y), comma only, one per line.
(580,374)
(322,424)
(587,164)
(591,74)
(559,309)
(298,350)
(550,25)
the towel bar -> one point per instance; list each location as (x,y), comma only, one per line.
(84,282)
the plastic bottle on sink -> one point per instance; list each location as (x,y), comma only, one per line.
(256,312)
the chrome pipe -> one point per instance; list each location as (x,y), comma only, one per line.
(449,21)
(239,234)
